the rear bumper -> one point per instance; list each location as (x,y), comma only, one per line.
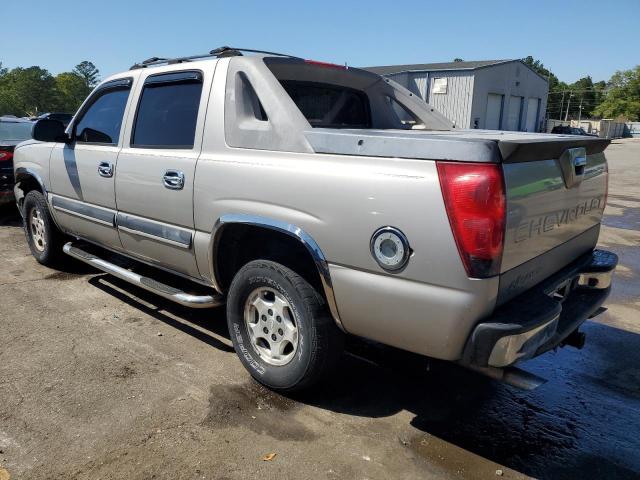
(541,318)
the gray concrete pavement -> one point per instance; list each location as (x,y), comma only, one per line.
(102,380)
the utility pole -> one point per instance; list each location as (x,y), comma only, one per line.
(561,104)
(568,104)
(580,111)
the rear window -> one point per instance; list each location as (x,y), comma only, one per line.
(15,130)
(330,106)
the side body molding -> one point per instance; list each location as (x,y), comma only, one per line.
(287,229)
(100,215)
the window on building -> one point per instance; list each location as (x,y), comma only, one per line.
(439,85)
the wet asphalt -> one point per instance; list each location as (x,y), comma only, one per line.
(99,380)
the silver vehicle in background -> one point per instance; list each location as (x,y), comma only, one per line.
(317,200)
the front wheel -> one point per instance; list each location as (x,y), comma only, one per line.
(280,327)
(43,237)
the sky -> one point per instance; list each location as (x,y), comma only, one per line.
(572,38)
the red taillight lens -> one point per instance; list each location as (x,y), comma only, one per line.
(325,64)
(5,156)
(474,198)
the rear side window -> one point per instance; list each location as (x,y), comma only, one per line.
(102,120)
(168,111)
(330,106)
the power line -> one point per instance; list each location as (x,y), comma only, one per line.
(571,90)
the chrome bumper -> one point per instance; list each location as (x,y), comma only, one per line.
(542,317)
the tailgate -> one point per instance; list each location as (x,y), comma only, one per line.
(556,192)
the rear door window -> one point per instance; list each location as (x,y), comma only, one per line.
(168,111)
(330,106)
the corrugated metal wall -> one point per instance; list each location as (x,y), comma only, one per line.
(468,93)
(456,103)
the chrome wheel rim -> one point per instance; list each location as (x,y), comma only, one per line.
(37,229)
(271,326)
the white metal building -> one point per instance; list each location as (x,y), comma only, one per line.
(489,94)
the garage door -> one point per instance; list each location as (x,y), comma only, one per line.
(513,117)
(532,114)
(494,112)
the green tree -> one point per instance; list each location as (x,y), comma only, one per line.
(71,91)
(458,60)
(556,87)
(584,93)
(6,100)
(27,91)
(622,98)
(88,72)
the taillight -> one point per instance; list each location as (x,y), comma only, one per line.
(5,156)
(475,202)
(325,64)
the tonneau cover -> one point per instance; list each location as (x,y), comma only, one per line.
(461,145)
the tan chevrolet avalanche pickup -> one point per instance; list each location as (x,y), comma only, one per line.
(318,201)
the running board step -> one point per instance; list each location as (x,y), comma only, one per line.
(166,291)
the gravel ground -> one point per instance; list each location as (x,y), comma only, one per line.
(102,380)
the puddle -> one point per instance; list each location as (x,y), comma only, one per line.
(628,220)
(254,407)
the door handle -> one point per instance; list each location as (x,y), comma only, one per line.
(579,164)
(105,169)
(173,180)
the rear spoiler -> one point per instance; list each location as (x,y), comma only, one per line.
(526,150)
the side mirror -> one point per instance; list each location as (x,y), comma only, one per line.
(47,130)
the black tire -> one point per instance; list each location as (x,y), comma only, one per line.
(320,342)
(47,252)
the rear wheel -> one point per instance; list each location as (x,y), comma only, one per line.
(44,239)
(280,327)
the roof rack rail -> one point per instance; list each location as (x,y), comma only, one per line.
(219,52)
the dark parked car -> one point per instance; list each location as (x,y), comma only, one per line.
(65,118)
(566,130)
(12,131)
